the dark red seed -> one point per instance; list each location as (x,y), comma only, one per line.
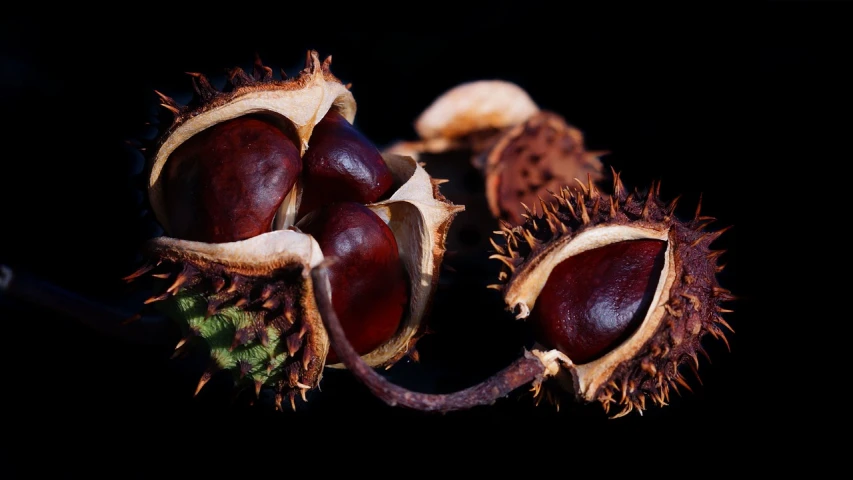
(226,183)
(595,300)
(369,284)
(342,165)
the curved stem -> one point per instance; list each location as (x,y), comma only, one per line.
(147,330)
(523,371)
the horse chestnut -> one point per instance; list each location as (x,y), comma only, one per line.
(594,300)
(368,282)
(342,165)
(226,183)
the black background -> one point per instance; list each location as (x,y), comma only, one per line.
(709,103)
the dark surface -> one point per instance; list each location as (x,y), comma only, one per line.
(710,106)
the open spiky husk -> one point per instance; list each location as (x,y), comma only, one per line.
(687,303)
(252,300)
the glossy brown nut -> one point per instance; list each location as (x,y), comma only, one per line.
(226,183)
(369,285)
(594,300)
(342,165)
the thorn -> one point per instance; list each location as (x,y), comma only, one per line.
(258,385)
(495,286)
(218,283)
(714,254)
(294,343)
(166,99)
(237,77)
(584,215)
(139,272)
(725,340)
(260,72)
(439,181)
(583,187)
(266,292)
(212,308)
(205,377)
(722,321)
(593,192)
(671,208)
(202,86)
(171,108)
(306,359)
(158,298)
(179,280)
(162,276)
(695,370)
(244,368)
(680,380)
(241,337)
(292,396)
(506,261)
(271,303)
(531,240)
(497,247)
(648,203)
(235,283)
(414,355)
(697,216)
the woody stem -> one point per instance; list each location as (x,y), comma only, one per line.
(521,372)
(104,319)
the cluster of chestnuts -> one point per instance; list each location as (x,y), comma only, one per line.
(292,243)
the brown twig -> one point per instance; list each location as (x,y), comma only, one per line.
(147,330)
(523,371)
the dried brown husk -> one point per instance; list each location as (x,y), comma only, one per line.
(267,276)
(687,303)
(522,151)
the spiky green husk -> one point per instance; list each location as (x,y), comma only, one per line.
(690,307)
(257,328)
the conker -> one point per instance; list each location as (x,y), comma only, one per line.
(368,282)
(342,165)
(226,183)
(594,300)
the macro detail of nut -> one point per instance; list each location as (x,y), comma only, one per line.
(257,184)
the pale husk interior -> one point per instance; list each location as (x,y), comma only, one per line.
(474,106)
(254,256)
